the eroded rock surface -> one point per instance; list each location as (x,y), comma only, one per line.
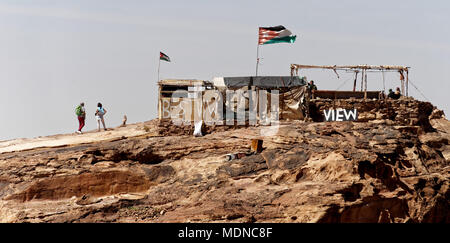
(376,171)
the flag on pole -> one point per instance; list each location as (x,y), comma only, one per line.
(277,34)
(164,57)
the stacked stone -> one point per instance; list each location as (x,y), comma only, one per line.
(404,111)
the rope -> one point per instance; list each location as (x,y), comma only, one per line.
(418,90)
(340,86)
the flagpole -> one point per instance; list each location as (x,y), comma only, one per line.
(257,59)
(159,65)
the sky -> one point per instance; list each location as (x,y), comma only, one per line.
(56,53)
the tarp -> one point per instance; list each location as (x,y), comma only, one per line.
(277,81)
(293,103)
(237,82)
(260,81)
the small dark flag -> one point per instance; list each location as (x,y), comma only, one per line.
(164,57)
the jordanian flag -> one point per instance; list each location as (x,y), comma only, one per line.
(164,57)
(277,34)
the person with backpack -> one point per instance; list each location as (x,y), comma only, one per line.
(99,113)
(81,114)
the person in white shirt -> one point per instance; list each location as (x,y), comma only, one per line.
(99,113)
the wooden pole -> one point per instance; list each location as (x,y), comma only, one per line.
(354,83)
(407,81)
(402,83)
(403,86)
(365,85)
(362,79)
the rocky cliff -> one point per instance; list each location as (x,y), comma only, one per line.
(377,170)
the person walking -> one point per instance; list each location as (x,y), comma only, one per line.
(81,114)
(99,113)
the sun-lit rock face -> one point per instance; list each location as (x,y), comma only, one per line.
(384,168)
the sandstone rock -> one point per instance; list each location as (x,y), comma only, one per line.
(381,171)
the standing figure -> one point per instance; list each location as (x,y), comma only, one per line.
(312,86)
(81,114)
(312,89)
(124,121)
(99,113)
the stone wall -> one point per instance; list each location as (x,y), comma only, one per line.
(402,112)
(405,111)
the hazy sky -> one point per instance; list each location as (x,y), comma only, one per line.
(56,53)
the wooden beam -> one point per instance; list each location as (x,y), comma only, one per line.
(348,67)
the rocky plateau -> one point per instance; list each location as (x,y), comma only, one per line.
(381,169)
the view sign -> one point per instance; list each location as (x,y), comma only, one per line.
(341,115)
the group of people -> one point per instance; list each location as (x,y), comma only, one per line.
(81,114)
(394,95)
(311,86)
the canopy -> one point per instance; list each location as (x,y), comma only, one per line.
(260,81)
